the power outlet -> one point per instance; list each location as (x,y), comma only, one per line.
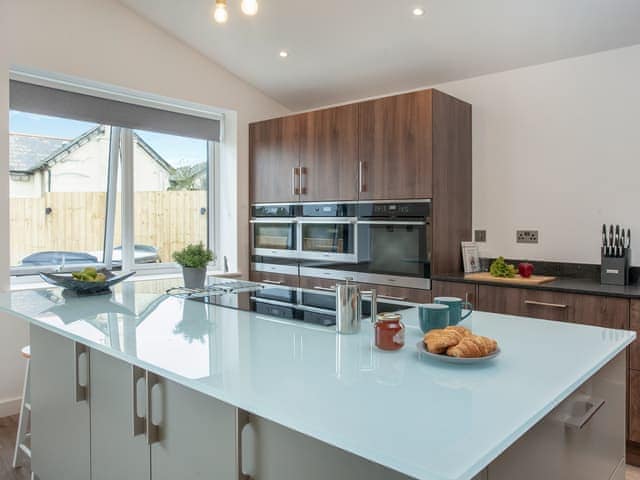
(526,236)
(480,236)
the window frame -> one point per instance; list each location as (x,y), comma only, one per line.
(121,161)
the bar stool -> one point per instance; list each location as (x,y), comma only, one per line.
(23,437)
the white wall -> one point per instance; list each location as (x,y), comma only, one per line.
(13,332)
(103,41)
(556,147)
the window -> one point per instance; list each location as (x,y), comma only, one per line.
(104,193)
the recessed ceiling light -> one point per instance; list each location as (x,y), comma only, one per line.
(249,7)
(284,54)
(220,13)
(418,11)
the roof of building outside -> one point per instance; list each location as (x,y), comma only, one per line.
(28,153)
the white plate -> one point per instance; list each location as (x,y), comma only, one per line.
(422,351)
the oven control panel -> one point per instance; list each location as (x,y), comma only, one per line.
(395,210)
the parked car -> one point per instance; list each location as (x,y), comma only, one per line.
(58,258)
(141,253)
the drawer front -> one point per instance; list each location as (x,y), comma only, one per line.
(275,278)
(554,450)
(466,291)
(384,292)
(401,294)
(315,283)
(525,302)
(585,309)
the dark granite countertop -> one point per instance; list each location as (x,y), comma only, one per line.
(588,286)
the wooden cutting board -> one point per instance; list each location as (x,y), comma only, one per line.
(517,280)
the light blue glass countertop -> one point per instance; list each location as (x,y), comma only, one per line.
(423,418)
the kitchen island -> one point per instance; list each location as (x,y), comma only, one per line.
(145,385)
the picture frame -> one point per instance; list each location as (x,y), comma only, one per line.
(470,257)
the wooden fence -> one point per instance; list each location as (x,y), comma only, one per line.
(76,222)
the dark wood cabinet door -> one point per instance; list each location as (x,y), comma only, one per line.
(329,155)
(525,302)
(275,278)
(634,350)
(395,147)
(274,153)
(465,291)
(634,406)
(608,312)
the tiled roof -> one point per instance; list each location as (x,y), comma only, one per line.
(29,152)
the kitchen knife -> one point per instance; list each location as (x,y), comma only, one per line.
(604,240)
(628,238)
(610,248)
(623,241)
(616,242)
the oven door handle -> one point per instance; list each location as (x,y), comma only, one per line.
(327,221)
(292,221)
(391,222)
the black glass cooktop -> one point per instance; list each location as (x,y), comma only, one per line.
(310,306)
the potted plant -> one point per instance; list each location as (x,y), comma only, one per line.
(194,260)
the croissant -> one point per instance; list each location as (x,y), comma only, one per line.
(438,340)
(473,346)
(460,329)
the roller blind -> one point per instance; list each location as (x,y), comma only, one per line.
(27,97)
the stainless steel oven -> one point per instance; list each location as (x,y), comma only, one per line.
(394,243)
(274,230)
(328,232)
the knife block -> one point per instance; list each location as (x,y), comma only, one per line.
(615,270)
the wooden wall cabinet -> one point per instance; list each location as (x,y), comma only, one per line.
(328,155)
(274,159)
(395,147)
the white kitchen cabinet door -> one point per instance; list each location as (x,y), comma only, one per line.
(283,454)
(60,423)
(557,448)
(116,454)
(196,435)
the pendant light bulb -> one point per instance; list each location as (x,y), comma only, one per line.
(220,13)
(249,7)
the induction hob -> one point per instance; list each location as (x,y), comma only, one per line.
(309,306)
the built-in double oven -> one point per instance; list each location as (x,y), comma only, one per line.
(386,243)
(307,231)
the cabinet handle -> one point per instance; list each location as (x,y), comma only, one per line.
(594,404)
(152,428)
(295,171)
(545,304)
(272,282)
(324,289)
(391,297)
(139,421)
(361,184)
(81,373)
(303,185)
(242,421)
